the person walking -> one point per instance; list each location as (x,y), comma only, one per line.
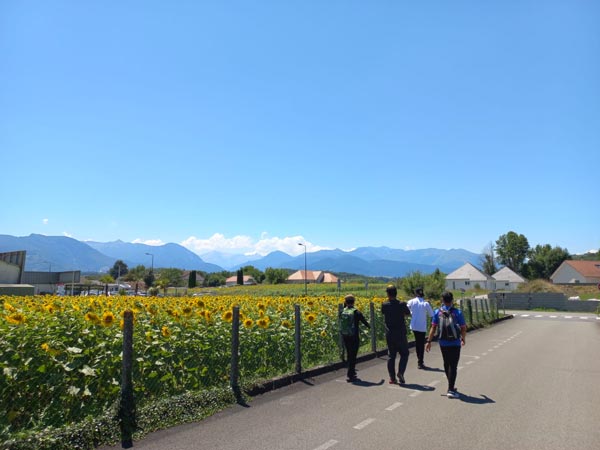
(349,323)
(452,332)
(394,312)
(420,309)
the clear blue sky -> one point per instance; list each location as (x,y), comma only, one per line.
(253,125)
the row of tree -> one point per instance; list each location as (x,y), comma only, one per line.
(513,251)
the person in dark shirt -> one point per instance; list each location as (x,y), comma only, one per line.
(394,312)
(352,342)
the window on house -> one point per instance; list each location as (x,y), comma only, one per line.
(467,283)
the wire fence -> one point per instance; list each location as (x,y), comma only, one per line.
(145,362)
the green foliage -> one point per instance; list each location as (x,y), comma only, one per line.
(119,269)
(488,260)
(136,275)
(544,260)
(171,277)
(215,279)
(512,250)
(192,279)
(276,276)
(255,273)
(433,284)
(149,279)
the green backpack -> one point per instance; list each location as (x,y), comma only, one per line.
(348,322)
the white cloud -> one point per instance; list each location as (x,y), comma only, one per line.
(246,245)
(154,242)
(45,221)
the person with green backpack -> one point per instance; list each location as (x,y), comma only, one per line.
(349,322)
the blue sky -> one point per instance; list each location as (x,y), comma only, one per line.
(248,126)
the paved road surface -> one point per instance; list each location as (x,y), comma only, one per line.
(532,382)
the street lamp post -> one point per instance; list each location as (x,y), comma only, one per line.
(152,267)
(305,273)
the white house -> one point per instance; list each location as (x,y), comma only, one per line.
(507,280)
(312,276)
(574,272)
(469,277)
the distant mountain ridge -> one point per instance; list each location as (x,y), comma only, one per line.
(60,253)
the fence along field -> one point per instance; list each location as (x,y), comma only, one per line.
(62,356)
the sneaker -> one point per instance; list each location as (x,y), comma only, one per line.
(401,378)
(452,394)
(392,381)
(422,366)
(352,379)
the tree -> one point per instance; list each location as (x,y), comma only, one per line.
(149,279)
(119,269)
(276,276)
(544,260)
(433,284)
(192,279)
(255,273)
(488,260)
(136,275)
(240,277)
(172,276)
(512,250)
(215,279)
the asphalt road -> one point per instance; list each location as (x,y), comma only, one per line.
(531,382)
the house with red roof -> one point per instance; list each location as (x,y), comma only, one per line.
(577,272)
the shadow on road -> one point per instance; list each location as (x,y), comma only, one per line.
(417,387)
(365,383)
(482,400)
(432,369)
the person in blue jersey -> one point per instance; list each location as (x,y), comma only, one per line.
(420,309)
(449,324)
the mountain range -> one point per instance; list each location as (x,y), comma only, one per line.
(60,253)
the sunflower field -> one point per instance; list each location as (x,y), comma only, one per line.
(61,356)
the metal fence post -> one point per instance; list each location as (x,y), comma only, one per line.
(235,349)
(127,411)
(372,323)
(340,337)
(297,341)
(470,308)
(476,312)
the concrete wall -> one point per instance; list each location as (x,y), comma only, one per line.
(9,273)
(512,300)
(16,289)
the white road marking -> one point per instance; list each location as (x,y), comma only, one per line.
(393,406)
(434,383)
(568,317)
(326,445)
(364,423)
(484,354)
(415,394)
(470,356)
(553,317)
(490,350)
(460,368)
(597,318)
(583,317)
(496,346)
(524,315)
(539,315)
(469,362)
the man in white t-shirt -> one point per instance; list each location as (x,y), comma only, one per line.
(419,310)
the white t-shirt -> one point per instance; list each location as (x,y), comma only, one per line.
(419,310)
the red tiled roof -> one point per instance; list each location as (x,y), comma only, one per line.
(586,268)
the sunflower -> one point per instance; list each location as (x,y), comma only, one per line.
(165,331)
(286,324)
(16,318)
(263,323)
(248,323)
(227,316)
(311,318)
(187,310)
(9,307)
(323,333)
(91,317)
(108,319)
